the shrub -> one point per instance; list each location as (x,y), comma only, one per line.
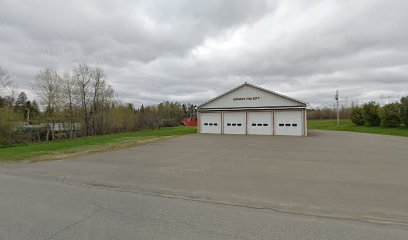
(390,115)
(404,111)
(370,114)
(357,116)
(6,126)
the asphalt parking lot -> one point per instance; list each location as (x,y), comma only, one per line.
(335,174)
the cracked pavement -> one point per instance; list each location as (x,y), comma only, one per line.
(39,209)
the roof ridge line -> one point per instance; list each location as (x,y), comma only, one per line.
(254,86)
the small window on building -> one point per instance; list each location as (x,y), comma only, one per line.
(287,124)
(239,124)
(265,124)
(259,124)
(205,124)
(294,124)
(234,124)
(253,124)
(281,124)
(211,124)
(215,124)
(228,124)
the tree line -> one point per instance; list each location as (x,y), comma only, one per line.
(369,114)
(389,115)
(77,103)
(328,113)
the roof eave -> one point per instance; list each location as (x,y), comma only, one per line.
(260,88)
(253,108)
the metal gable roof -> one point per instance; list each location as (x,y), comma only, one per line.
(254,86)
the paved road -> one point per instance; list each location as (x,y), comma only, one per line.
(42,209)
(338,174)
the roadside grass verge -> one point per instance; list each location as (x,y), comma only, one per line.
(347,125)
(79,146)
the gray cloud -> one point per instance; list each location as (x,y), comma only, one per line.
(193,50)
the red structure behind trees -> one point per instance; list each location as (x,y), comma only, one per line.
(190,122)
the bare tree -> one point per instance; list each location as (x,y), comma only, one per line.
(47,86)
(83,94)
(5,80)
(68,95)
(82,77)
(102,95)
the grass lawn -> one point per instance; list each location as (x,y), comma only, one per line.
(347,125)
(71,147)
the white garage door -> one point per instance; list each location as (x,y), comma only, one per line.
(260,123)
(234,123)
(288,123)
(210,122)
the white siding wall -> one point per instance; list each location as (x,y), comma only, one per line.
(283,122)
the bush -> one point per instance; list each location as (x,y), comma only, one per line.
(357,116)
(390,115)
(370,114)
(404,111)
(6,126)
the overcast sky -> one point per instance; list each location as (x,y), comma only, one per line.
(192,50)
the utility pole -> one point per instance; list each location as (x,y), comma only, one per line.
(337,105)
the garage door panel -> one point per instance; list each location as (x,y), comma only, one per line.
(210,122)
(289,123)
(234,123)
(260,123)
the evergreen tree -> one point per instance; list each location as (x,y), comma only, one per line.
(185,111)
(21,99)
(357,116)
(390,116)
(404,110)
(370,114)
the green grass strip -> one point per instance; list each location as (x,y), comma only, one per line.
(347,125)
(70,147)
